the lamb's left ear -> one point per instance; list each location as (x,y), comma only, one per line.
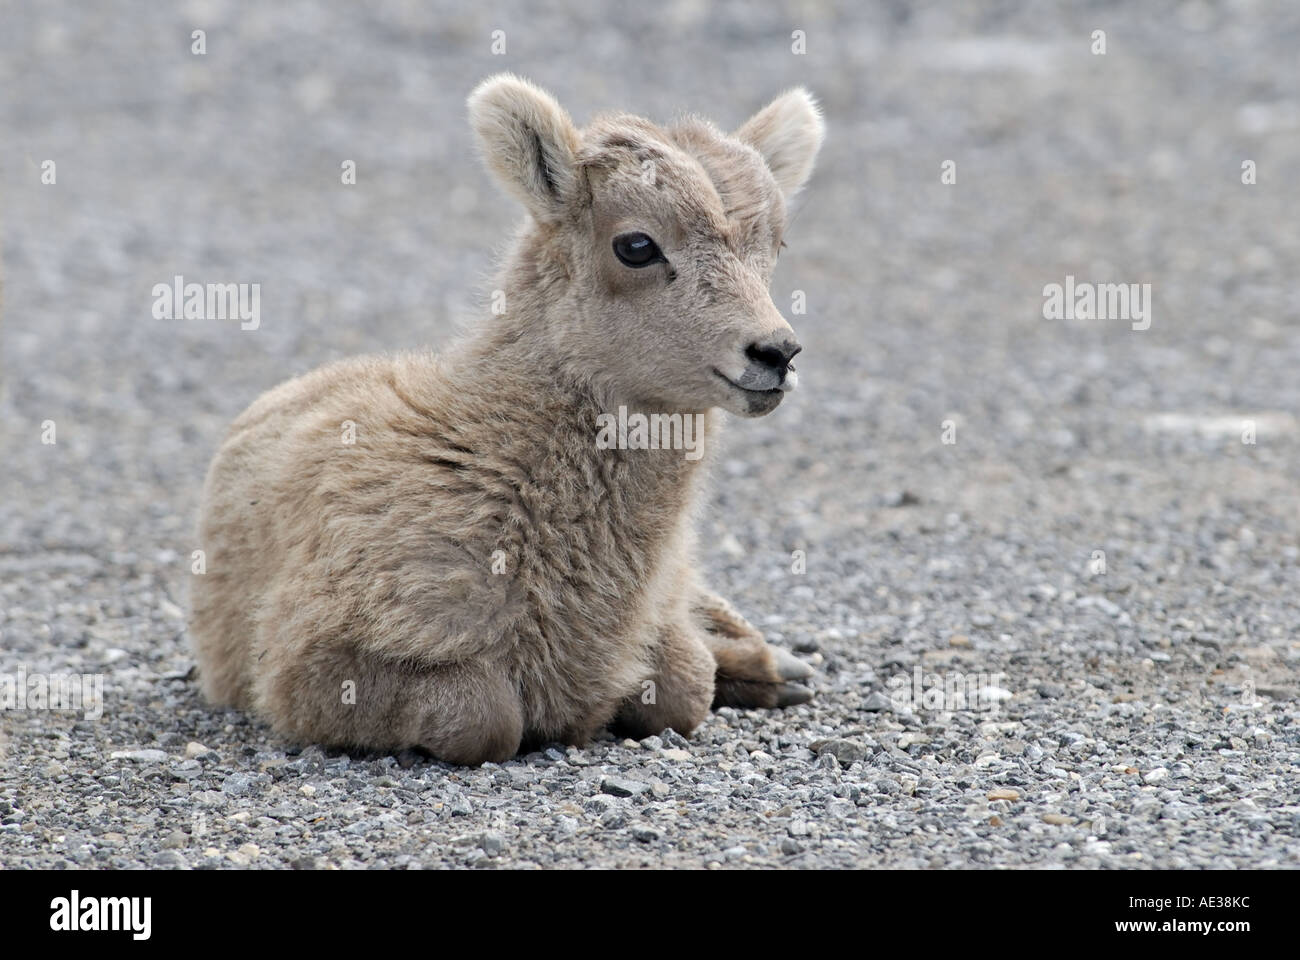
(528,141)
(788,133)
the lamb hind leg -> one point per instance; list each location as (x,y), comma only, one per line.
(751,672)
(462,713)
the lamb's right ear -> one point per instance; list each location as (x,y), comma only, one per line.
(528,141)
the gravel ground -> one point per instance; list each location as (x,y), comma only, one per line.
(1140,717)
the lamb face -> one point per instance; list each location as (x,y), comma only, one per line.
(667,238)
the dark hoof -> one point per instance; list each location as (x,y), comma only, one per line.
(790,667)
(790,694)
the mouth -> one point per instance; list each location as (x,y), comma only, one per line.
(757,403)
(787,384)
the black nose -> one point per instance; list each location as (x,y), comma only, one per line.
(774,355)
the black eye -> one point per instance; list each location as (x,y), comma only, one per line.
(637,250)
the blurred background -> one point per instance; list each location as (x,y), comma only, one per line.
(924,299)
(924,302)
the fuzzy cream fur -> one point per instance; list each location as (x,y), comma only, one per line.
(473,573)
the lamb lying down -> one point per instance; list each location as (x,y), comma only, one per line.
(435,551)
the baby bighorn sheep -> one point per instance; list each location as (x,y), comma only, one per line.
(474,572)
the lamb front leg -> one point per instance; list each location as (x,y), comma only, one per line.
(678,693)
(750,672)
